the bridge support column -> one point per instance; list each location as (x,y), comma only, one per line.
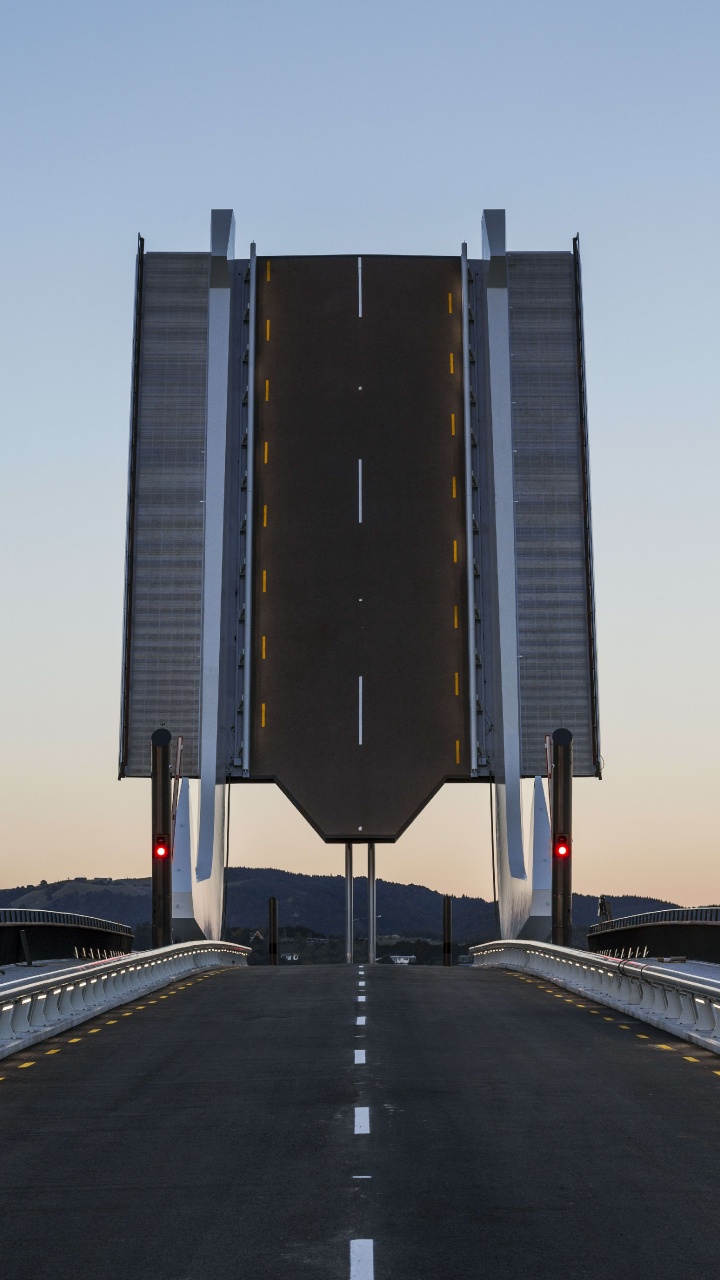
(349,923)
(447,930)
(372,906)
(161,839)
(272,931)
(561,822)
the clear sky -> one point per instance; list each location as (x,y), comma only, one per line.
(377,126)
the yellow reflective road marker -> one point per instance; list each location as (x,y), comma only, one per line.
(452,422)
(457,750)
(454,487)
(267,277)
(450,304)
(262,716)
(264,589)
(457,684)
(452,362)
(267,330)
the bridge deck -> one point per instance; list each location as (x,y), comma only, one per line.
(514,1131)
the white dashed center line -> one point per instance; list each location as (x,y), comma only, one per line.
(359,490)
(362,1119)
(359,1057)
(361,999)
(360,1022)
(361,1260)
(361,983)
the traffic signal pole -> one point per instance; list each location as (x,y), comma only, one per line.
(561,826)
(349,912)
(447,930)
(161,784)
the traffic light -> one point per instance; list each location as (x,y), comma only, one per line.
(562,847)
(161,847)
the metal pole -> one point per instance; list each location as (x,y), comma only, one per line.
(161,785)
(447,930)
(349,903)
(372,906)
(561,826)
(272,931)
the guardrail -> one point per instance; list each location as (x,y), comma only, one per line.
(669,915)
(36,1009)
(38,915)
(681,1004)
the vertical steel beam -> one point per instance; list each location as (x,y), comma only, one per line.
(469,541)
(349,923)
(130,535)
(272,931)
(447,930)
(372,906)
(250,512)
(161,787)
(561,824)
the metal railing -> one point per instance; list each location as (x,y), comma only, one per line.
(40,1007)
(672,915)
(38,915)
(675,1001)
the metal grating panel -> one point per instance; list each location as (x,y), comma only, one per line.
(164,631)
(552,558)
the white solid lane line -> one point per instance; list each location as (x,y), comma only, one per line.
(360,1022)
(362,1119)
(359,490)
(361,1260)
(359,1057)
(360,288)
(360,710)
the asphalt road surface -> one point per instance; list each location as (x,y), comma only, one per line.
(245,1125)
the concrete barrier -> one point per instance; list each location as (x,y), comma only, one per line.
(36,1009)
(681,1003)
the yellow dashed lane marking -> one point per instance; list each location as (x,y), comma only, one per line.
(267,330)
(262,716)
(25,1064)
(267,389)
(49,1051)
(267,277)
(455,615)
(452,362)
(75,1040)
(264,580)
(450,304)
(94,1031)
(454,487)
(455,550)
(689,1059)
(457,750)
(452,422)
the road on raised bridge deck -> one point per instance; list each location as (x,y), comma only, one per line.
(392,1124)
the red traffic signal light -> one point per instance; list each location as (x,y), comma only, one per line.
(561,847)
(161,847)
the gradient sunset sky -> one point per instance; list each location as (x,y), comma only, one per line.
(372,127)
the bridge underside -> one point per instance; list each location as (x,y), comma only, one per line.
(209,1130)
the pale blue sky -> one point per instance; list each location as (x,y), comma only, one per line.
(362,128)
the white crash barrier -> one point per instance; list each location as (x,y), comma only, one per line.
(679,1003)
(38,1008)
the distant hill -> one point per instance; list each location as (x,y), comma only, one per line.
(311,902)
